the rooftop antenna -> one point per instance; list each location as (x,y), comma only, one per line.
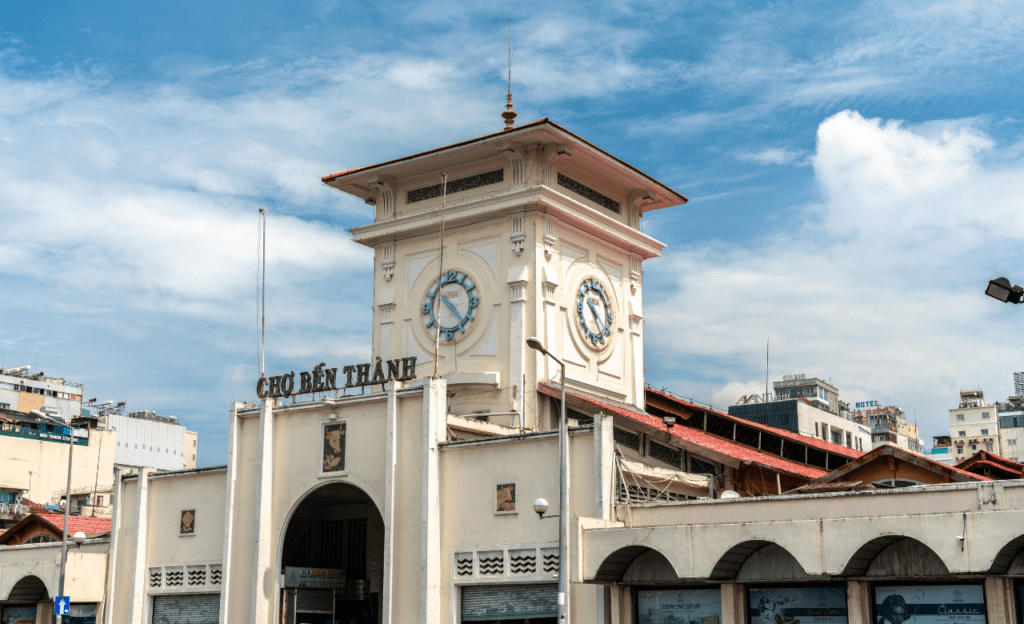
(261,290)
(509,114)
(767,345)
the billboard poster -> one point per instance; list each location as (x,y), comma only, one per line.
(679,606)
(930,604)
(798,605)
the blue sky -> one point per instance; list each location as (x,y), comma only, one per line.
(856,175)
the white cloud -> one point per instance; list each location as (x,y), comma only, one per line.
(775,156)
(880,287)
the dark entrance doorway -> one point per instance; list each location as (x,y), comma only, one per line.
(332,559)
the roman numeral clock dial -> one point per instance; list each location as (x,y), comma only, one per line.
(449,305)
(594,315)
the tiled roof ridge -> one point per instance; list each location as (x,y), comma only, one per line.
(824,445)
(704,439)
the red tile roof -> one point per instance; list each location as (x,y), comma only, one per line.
(992,458)
(87,525)
(698,438)
(831,447)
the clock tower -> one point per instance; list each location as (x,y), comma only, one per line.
(532,231)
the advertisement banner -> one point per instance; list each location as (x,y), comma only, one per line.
(679,606)
(930,604)
(798,605)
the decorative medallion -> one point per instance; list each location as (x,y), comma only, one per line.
(188,522)
(594,313)
(333,450)
(450,304)
(505,498)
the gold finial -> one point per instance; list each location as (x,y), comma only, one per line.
(509,114)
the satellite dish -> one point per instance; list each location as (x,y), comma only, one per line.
(730,494)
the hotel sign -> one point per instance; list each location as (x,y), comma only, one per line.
(866,404)
(322,379)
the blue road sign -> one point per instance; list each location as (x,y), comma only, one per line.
(61,605)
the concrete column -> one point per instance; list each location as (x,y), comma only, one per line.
(435,408)
(390,462)
(517,279)
(550,284)
(264,578)
(858,602)
(999,600)
(229,513)
(106,611)
(44,613)
(636,348)
(386,304)
(137,612)
(733,611)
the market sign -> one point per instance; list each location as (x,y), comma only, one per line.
(314,578)
(322,379)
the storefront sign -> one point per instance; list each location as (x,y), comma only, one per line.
(809,605)
(681,606)
(866,404)
(930,604)
(322,379)
(314,578)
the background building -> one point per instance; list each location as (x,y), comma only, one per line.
(888,425)
(24,392)
(808,406)
(146,438)
(34,465)
(973,426)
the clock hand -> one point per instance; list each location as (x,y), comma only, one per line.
(451,307)
(597,317)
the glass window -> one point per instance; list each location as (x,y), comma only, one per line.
(974,447)
(988,447)
(986,414)
(962,434)
(679,605)
(984,432)
(959,416)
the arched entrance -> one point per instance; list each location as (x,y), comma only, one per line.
(20,606)
(332,558)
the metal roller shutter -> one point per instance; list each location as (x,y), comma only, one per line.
(509,602)
(186,609)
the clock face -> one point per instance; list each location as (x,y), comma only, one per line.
(449,305)
(594,313)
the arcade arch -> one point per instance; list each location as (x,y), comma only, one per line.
(332,554)
(895,556)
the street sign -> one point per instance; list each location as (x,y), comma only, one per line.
(61,605)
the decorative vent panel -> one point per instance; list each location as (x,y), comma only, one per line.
(549,557)
(499,564)
(188,578)
(173,577)
(464,564)
(585,191)
(455,186)
(522,561)
(492,563)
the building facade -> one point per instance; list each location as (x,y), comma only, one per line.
(24,392)
(973,426)
(806,418)
(145,438)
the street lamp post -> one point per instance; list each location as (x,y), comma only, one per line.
(563,492)
(67,505)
